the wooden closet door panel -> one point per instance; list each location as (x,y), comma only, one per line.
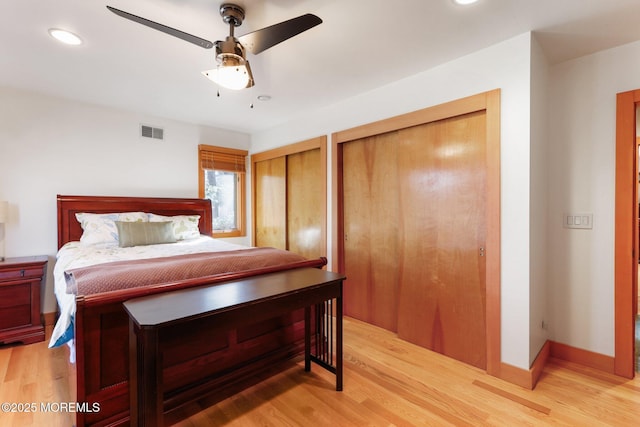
(370,227)
(305,203)
(442,177)
(271,203)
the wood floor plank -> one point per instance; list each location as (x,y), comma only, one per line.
(510,396)
(387,382)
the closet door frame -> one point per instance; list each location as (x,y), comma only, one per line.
(299,147)
(490,103)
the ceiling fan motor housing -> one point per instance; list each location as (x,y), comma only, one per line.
(230,52)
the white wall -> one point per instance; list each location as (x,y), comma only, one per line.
(582,176)
(539,201)
(52,146)
(505,66)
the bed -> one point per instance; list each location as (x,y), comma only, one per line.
(195,363)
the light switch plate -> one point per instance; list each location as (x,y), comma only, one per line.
(578,220)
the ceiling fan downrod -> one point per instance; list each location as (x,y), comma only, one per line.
(232,14)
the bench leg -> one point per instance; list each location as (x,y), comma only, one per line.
(307,339)
(145,378)
(339,341)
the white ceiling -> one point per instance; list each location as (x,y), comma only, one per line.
(361,45)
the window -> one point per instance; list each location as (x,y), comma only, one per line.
(222,180)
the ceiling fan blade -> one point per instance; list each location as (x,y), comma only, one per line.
(167,30)
(260,40)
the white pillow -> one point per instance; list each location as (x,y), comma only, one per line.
(184,226)
(101,228)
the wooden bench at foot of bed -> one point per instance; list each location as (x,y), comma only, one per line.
(221,307)
(195,361)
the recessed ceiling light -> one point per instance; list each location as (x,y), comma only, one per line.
(64,36)
(465,2)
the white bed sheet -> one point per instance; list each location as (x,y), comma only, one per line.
(75,255)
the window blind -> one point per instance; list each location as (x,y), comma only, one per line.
(222,159)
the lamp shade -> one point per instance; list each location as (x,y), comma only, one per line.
(4,211)
(235,76)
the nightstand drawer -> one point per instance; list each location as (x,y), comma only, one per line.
(15,316)
(15,295)
(21,273)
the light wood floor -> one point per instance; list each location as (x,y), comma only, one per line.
(387,382)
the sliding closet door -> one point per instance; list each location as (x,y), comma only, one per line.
(270,203)
(305,204)
(290,198)
(414,227)
(370,230)
(442,182)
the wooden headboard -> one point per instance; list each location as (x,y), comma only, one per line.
(69,228)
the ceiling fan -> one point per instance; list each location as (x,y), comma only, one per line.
(233,71)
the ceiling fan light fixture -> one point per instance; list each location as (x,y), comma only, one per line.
(233,71)
(231,74)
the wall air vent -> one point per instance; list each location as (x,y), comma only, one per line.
(151,132)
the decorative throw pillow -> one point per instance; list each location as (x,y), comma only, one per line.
(184,226)
(101,228)
(144,233)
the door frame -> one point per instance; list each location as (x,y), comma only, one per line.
(626,233)
(488,102)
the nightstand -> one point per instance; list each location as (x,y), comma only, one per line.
(20,282)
